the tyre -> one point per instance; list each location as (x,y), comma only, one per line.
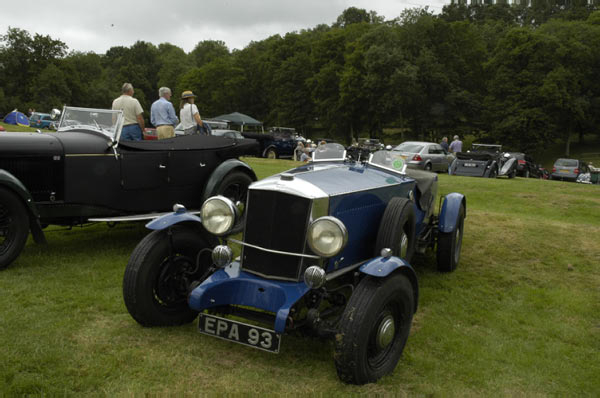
(428,167)
(449,245)
(14,226)
(374,328)
(397,229)
(235,187)
(271,154)
(526,173)
(159,274)
(493,173)
(512,174)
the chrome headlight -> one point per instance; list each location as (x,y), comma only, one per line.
(218,215)
(327,236)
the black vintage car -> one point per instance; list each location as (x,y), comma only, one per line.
(484,160)
(84,173)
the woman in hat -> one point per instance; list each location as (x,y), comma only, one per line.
(188,114)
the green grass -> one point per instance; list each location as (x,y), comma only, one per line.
(12,127)
(520,315)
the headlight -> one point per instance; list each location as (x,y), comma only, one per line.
(327,236)
(218,215)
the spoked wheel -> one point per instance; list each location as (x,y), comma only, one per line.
(235,187)
(160,273)
(374,328)
(14,227)
(397,229)
(449,245)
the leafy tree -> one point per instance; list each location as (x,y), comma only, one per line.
(207,51)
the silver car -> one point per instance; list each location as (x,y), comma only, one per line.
(568,169)
(425,155)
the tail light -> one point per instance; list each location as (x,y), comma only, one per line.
(576,171)
(554,169)
(522,161)
(417,157)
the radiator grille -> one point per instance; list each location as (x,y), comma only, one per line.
(275,221)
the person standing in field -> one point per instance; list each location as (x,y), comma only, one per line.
(456,145)
(189,114)
(133,123)
(162,114)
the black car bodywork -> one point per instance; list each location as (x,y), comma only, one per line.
(363,148)
(484,160)
(279,142)
(526,166)
(82,173)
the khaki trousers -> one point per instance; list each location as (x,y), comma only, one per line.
(165,132)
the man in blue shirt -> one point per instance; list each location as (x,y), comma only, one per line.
(456,145)
(162,114)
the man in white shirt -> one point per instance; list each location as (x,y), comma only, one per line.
(133,124)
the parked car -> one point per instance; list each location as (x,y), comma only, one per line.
(84,173)
(526,166)
(279,142)
(484,160)
(425,155)
(326,250)
(40,120)
(363,148)
(568,169)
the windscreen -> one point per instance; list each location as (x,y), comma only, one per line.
(390,160)
(329,152)
(566,163)
(105,121)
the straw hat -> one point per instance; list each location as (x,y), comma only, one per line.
(187,94)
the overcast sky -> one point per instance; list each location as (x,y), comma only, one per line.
(98,25)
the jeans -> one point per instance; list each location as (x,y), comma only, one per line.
(131,132)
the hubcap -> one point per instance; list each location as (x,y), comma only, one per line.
(385,332)
(403,246)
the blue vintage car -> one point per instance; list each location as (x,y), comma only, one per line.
(325,249)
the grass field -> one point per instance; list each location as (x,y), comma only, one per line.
(520,316)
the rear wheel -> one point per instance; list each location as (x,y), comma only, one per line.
(271,154)
(14,227)
(374,329)
(449,245)
(428,167)
(397,229)
(161,271)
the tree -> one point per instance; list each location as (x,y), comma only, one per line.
(207,51)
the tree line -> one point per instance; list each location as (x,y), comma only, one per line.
(521,76)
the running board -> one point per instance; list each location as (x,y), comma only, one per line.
(136,217)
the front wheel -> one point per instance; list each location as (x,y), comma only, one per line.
(159,274)
(397,229)
(493,173)
(14,227)
(374,329)
(449,245)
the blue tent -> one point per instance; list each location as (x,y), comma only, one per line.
(16,118)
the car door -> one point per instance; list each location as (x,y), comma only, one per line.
(437,157)
(144,180)
(188,172)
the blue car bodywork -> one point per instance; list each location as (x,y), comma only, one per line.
(282,280)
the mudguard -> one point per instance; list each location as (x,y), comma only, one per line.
(170,219)
(449,213)
(381,267)
(13,183)
(220,172)
(493,165)
(232,286)
(508,167)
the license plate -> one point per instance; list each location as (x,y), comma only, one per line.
(565,171)
(470,165)
(226,329)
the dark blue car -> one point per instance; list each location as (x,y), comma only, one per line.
(325,249)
